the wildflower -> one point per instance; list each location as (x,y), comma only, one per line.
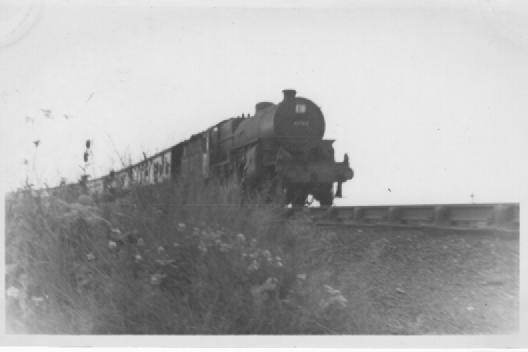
(138,257)
(341,301)
(331,290)
(279,264)
(140,242)
(161,249)
(266,254)
(222,246)
(301,276)
(37,299)
(181,226)
(261,292)
(336,298)
(13,292)
(90,256)
(253,266)
(240,237)
(164,262)
(157,278)
(112,244)
(202,247)
(269,285)
(271,282)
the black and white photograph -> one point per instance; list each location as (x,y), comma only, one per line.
(263,173)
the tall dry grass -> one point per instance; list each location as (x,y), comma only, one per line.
(177,258)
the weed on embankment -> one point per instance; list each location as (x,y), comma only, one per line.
(178,258)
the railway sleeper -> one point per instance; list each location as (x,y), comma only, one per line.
(415,220)
(373,218)
(474,222)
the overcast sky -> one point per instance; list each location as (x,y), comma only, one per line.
(429,100)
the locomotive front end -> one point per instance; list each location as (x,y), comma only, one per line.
(304,160)
(284,141)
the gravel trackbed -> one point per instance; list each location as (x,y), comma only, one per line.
(400,281)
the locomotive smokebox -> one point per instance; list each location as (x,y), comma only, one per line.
(289,94)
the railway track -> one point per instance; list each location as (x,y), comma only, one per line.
(483,216)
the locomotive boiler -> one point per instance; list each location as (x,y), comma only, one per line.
(281,143)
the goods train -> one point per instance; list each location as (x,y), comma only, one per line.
(281,142)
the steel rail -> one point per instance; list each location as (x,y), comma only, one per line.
(482,216)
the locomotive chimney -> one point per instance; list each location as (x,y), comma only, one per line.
(262,105)
(289,94)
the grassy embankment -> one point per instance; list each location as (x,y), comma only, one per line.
(174,259)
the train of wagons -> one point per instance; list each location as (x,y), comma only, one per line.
(282,143)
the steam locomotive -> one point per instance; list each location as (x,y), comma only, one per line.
(281,142)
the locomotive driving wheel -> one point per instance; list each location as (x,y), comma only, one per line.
(296,195)
(325,194)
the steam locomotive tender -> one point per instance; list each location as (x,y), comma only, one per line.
(281,142)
